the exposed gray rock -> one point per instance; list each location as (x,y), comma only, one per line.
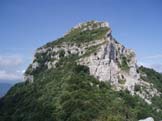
(105,65)
(147,119)
(35,65)
(29,78)
(91,25)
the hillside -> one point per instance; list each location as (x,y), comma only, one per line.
(86,75)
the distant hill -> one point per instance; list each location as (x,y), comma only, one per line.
(4,87)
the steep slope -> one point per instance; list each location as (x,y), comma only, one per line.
(78,78)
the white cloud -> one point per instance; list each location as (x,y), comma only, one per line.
(10,76)
(10,61)
(9,68)
(154,62)
(23,71)
(157,67)
(159,56)
(144,64)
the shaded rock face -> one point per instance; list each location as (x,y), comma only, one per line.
(107,59)
(112,53)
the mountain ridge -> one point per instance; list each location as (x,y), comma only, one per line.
(84,75)
(107,59)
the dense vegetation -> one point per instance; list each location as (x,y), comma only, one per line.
(151,76)
(155,78)
(124,64)
(69,93)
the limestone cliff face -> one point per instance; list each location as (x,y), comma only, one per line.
(114,63)
(96,48)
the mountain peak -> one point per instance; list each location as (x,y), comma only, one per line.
(93,45)
(83,76)
(92,25)
(89,25)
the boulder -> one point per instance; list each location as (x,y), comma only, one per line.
(147,119)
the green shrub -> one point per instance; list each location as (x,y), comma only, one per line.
(65,94)
(122,81)
(137,88)
(77,36)
(151,76)
(81,69)
(124,63)
(61,53)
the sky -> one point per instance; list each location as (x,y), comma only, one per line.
(28,24)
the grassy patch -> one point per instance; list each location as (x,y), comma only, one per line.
(124,64)
(77,36)
(122,81)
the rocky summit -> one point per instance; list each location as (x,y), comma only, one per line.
(107,59)
(86,75)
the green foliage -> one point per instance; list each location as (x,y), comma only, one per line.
(157,102)
(41,58)
(69,93)
(152,76)
(81,69)
(92,49)
(122,81)
(155,78)
(137,88)
(61,53)
(86,36)
(77,36)
(124,63)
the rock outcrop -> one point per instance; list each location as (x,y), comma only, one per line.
(147,119)
(96,48)
(114,63)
